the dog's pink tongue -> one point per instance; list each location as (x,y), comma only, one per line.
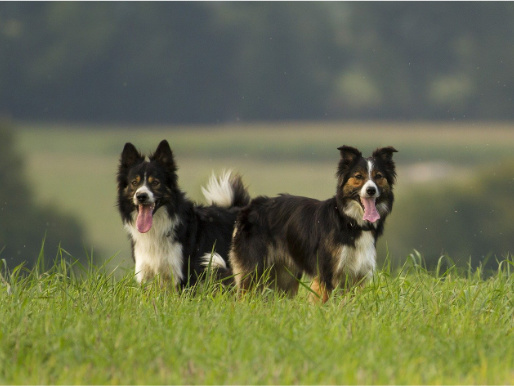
(370,210)
(144,218)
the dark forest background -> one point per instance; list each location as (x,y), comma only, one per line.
(210,62)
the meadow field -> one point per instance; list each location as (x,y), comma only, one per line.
(406,327)
(95,325)
(73,168)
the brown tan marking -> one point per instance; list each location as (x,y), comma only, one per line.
(380,180)
(320,292)
(355,182)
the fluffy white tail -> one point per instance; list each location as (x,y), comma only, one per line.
(214,260)
(226,190)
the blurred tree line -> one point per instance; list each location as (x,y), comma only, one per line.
(469,222)
(27,228)
(184,62)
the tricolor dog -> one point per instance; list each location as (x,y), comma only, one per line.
(332,241)
(171,236)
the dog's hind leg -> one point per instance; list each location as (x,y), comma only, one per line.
(320,292)
(245,278)
(286,280)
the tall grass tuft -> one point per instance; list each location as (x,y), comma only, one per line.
(71,324)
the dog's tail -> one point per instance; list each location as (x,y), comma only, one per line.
(213,262)
(226,191)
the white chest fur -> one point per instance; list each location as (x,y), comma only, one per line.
(358,261)
(156,252)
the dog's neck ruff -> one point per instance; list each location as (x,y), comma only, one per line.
(156,252)
(354,213)
(366,226)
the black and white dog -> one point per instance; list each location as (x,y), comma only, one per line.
(332,241)
(171,236)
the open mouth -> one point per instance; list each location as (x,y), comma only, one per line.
(145,217)
(370,210)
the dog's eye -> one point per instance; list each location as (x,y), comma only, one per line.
(379,176)
(134,182)
(155,182)
(359,177)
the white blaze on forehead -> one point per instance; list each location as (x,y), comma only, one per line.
(369,182)
(370,168)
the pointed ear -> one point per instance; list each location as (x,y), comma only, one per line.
(130,156)
(348,156)
(164,155)
(385,153)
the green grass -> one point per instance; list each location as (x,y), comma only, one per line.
(407,327)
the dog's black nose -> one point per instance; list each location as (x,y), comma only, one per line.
(142,197)
(371,190)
